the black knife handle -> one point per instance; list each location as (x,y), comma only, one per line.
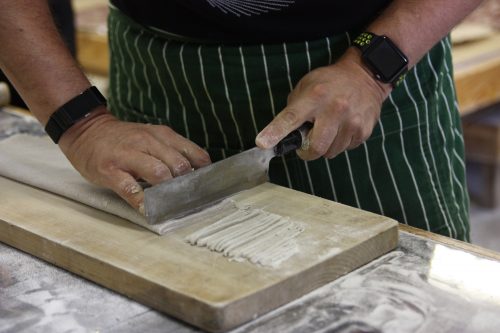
(293,140)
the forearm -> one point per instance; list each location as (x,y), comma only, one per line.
(35,58)
(417,25)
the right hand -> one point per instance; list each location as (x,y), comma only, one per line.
(115,154)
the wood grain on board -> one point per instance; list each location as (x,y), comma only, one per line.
(190,283)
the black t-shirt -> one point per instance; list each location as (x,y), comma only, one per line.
(247,21)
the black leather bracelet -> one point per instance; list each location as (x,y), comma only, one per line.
(72,111)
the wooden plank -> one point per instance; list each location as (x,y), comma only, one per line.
(190,283)
(477,73)
(93,53)
(91,35)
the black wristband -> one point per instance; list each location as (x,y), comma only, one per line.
(72,111)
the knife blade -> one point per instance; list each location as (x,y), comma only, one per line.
(183,195)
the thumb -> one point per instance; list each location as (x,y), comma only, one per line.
(123,184)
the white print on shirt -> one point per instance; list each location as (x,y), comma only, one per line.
(249,7)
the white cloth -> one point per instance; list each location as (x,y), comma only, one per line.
(38,162)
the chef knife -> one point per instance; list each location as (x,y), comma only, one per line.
(183,195)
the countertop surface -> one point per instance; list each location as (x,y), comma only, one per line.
(422,286)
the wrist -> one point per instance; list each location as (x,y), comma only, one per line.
(76,109)
(353,58)
(97,116)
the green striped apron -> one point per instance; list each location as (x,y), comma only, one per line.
(220,96)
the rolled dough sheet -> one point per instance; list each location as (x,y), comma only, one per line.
(38,162)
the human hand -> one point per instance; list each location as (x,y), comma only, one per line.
(115,154)
(342,100)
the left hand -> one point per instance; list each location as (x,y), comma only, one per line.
(343,101)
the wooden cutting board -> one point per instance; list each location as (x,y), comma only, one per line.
(194,284)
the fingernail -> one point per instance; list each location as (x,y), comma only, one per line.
(141,209)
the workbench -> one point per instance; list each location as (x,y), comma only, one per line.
(429,283)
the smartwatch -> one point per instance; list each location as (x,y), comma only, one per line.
(72,111)
(384,59)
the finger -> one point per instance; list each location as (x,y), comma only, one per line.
(123,184)
(177,163)
(196,156)
(340,143)
(147,167)
(319,139)
(361,136)
(356,141)
(285,122)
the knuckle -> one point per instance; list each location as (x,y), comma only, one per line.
(164,130)
(137,137)
(355,125)
(341,104)
(106,168)
(320,90)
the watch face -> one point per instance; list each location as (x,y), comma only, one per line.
(385,59)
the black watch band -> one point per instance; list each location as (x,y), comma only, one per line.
(386,61)
(72,111)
